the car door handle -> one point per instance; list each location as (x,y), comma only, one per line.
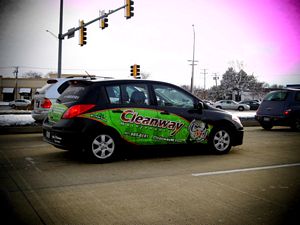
(117,111)
(165,113)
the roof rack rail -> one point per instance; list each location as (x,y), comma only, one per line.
(83,76)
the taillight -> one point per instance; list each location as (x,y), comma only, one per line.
(76,110)
(287,112)
(46,104)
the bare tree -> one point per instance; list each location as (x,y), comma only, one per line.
(32,74)
(145,76)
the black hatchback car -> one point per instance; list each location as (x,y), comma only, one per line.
(280,108)
(97,116)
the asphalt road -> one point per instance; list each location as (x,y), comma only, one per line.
(256,183)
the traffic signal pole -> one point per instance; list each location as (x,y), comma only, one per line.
(71,32)
(60,38)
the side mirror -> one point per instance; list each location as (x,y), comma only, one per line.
(199,107)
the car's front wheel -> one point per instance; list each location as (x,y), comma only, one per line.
(102,147)
(266,126)
(220,140)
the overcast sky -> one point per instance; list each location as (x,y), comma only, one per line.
(262,34)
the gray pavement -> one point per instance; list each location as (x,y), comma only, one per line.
(256,183)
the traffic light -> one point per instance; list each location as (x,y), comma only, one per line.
(129,9)
(82,33)
(132,71)
(135,71)
(104,23)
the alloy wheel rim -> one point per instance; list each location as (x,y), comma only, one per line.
(221,140)
(103,146)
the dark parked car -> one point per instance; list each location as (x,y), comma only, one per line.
(254,104)
(98,116)
(280,108)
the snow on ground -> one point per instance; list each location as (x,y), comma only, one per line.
(16,120)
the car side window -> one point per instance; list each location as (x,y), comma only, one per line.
(172,97)
(63,87)
(113,93)
(136,94)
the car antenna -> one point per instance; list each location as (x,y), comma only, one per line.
(88,74)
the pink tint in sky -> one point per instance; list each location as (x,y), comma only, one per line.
(275,23)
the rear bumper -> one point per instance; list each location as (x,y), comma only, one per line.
(39,115)
(274,120)
(68,139)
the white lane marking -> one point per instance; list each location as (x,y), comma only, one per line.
(31,161)
(245,169)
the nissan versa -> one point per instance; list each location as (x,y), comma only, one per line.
(96,116)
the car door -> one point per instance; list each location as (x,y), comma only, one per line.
(180,121)
(131,112)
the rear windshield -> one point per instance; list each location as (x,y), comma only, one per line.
(73,92)
(276,96)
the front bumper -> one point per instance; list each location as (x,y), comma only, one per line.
(238,137)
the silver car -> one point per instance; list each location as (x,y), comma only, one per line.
(47,95)
(20,103)
(230,104)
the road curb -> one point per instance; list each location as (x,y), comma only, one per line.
(20,130)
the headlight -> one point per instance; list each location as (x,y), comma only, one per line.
(236,119)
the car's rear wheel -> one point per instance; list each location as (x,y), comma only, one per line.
(241,108)
(220,140)
(102,147)
(218,107)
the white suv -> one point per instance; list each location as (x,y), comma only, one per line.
(47,95)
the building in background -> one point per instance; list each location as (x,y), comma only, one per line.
(24,88)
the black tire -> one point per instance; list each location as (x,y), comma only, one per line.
(241,108)
(220,140)
(266,126)
(218,107)
(296,124)
(102,147)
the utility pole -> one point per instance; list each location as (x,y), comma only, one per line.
(204,73)
(60,39)
(71,32)
(16,88)
(216,77)
(193,62)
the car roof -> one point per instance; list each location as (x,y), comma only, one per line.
(125,81)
